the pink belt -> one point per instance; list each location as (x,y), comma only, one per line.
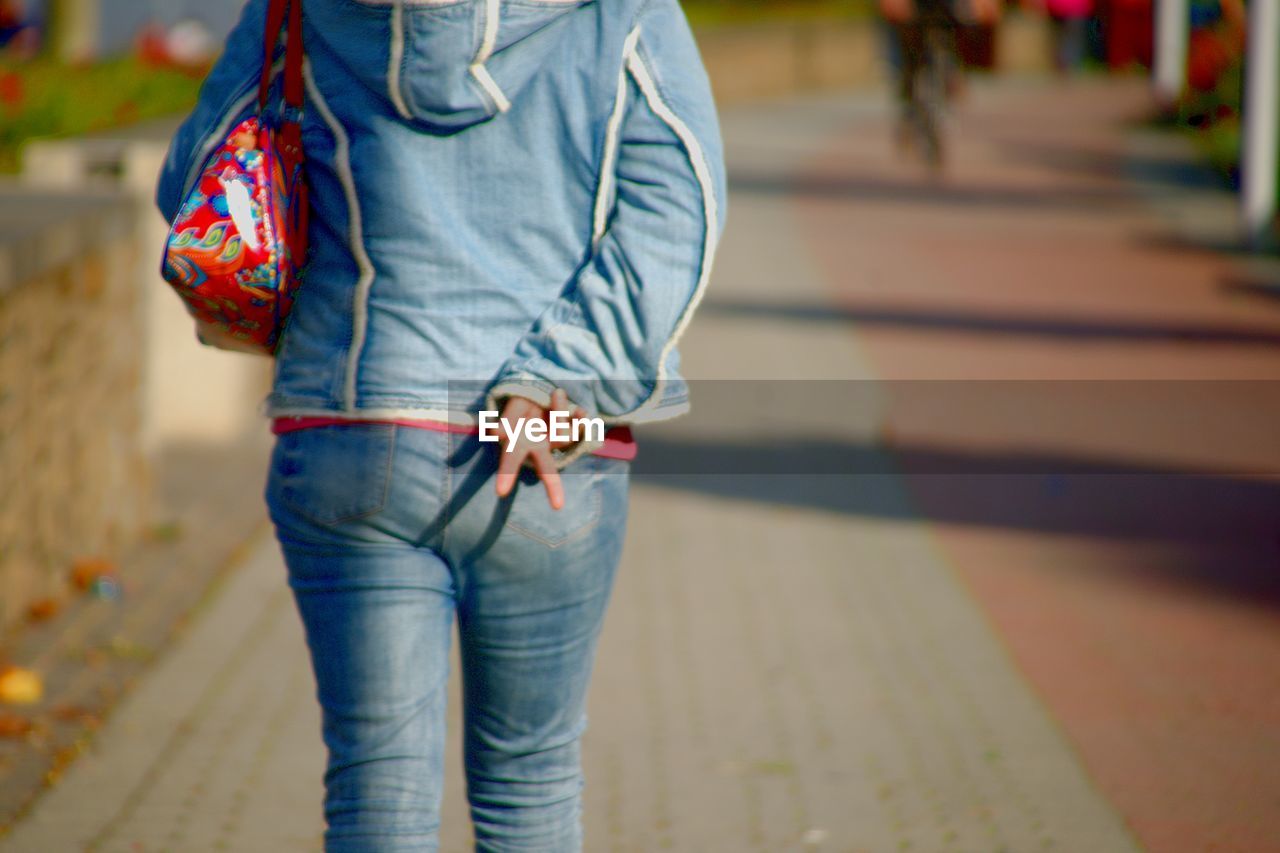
(618,441)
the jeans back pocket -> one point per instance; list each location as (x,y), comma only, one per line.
(333,474)
(531,514)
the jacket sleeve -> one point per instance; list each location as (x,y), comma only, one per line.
(609,338)
(227,95)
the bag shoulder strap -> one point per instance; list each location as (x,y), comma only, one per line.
(293,90)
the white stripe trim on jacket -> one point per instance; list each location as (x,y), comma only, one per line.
(639,70)
(396,59)
(492,9)
(604,189)
(355,237)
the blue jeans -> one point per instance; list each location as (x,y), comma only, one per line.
(389,532)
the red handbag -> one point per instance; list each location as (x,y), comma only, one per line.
(237,245)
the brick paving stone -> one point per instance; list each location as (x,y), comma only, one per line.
(211,737)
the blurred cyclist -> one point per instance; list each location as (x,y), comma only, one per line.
(928,65)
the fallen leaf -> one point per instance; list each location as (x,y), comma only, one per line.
(20,686)
(76,714)
(11,725)
(85,571)
(43,609)
(66,755)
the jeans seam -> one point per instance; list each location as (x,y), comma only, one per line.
(446,502)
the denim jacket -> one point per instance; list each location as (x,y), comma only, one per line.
(508,196)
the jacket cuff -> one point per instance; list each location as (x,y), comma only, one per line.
(529,387)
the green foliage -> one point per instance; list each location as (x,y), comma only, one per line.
(1214,118)
(45,98)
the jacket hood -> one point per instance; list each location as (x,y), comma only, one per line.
(447,66)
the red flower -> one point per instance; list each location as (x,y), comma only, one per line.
(12,91)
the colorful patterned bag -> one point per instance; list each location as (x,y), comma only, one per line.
(237,244)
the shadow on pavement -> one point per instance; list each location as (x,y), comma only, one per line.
(1205,241)
(1216,529)
(870,189)
(1265,290)
(999,324)
(1103,163)
(1032,491)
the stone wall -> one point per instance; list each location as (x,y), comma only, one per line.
(192,394)
(73,479)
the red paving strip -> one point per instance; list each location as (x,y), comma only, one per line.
(1142,603)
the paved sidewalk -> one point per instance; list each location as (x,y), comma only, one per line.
(778,671)
(1094,448)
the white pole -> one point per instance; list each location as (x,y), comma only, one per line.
(1261,97)
(1173,19)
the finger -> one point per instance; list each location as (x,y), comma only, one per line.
(577,415)
(560,403)
(509,463)
(546,469)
